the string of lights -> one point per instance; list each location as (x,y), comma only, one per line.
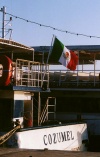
(60,30)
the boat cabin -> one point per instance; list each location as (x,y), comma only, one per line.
(20,81)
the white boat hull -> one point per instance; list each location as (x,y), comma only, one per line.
(66,137)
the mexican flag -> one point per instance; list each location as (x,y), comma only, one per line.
(63,55)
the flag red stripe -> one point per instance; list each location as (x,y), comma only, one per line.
(73,61)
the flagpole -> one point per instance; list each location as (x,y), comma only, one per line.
(48,59)
(53,38)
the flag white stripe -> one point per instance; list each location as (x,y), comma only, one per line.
(63,59)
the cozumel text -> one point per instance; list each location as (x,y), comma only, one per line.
(58,137)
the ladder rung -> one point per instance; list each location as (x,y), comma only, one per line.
(51,112)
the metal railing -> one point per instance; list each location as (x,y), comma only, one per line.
(77,78)
(30,73)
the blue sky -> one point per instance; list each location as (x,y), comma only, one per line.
(78,16)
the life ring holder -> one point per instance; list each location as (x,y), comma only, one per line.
(6,62)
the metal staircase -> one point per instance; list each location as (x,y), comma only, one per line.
(49,111)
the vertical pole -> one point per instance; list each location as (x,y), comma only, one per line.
(33,55)
(82,65)
(3,22)
(12,55)
(39,108)
(94,70)
(32,108)
(78,70)
(53,39)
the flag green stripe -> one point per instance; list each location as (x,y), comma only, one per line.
(56,50)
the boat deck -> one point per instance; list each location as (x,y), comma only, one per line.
(13,152)
(74,79)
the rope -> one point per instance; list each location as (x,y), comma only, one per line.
(5,137)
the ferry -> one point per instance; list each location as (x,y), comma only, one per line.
(78,92)
(31,114)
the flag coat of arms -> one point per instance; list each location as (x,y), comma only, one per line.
(63,55)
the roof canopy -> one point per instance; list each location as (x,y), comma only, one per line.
(87,53)
(12,46)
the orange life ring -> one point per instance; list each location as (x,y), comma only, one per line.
(5,79)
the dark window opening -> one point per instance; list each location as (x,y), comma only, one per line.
(6,114)
(83,105)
